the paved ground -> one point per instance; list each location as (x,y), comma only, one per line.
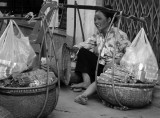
(67,108)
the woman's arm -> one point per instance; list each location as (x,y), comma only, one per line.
(88,44)
(121,44)
(110,64)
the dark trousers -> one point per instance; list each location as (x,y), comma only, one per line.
(86,63)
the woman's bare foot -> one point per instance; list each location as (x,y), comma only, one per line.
(77,89)
(81,99)
(83,85)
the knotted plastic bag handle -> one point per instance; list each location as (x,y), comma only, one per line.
(14,23)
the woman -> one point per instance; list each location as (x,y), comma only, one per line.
(89,50)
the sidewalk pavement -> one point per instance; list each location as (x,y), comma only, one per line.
(67,108)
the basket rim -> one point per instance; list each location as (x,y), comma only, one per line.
(140,85)
(65,56)
(30,88)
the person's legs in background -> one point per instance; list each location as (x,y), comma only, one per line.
(86,64)
(83,98)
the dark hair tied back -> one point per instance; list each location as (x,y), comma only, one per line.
(108,14)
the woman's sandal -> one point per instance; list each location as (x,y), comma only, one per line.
(81,99)
(77,89)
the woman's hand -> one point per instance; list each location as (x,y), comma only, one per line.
(75,49)
(110,64)
(95,50)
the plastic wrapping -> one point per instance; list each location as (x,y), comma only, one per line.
(140,57)
(16,53)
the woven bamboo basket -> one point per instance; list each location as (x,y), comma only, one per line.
(4,113)
(28,102)
(129,95)
(156,96)
(65,64)
(64,61)
(40,101)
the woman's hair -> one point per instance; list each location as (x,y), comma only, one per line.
(108,14)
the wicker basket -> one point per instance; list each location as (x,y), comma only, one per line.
(129,95)
(28,102)
(5,113)
(65,64)
(64,61)
(156,96)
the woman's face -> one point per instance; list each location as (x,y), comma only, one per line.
(101,22)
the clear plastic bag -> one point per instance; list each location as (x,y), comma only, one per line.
(140,57)
(15,51)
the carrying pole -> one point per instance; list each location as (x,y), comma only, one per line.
(74,30)
(80,23)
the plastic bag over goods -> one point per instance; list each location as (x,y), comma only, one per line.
(16,53)
(140,59)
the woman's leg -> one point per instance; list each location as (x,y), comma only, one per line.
(83,98)
(86,82)
(86,64)
(90,90)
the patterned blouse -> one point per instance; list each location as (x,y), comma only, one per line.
(108,50)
